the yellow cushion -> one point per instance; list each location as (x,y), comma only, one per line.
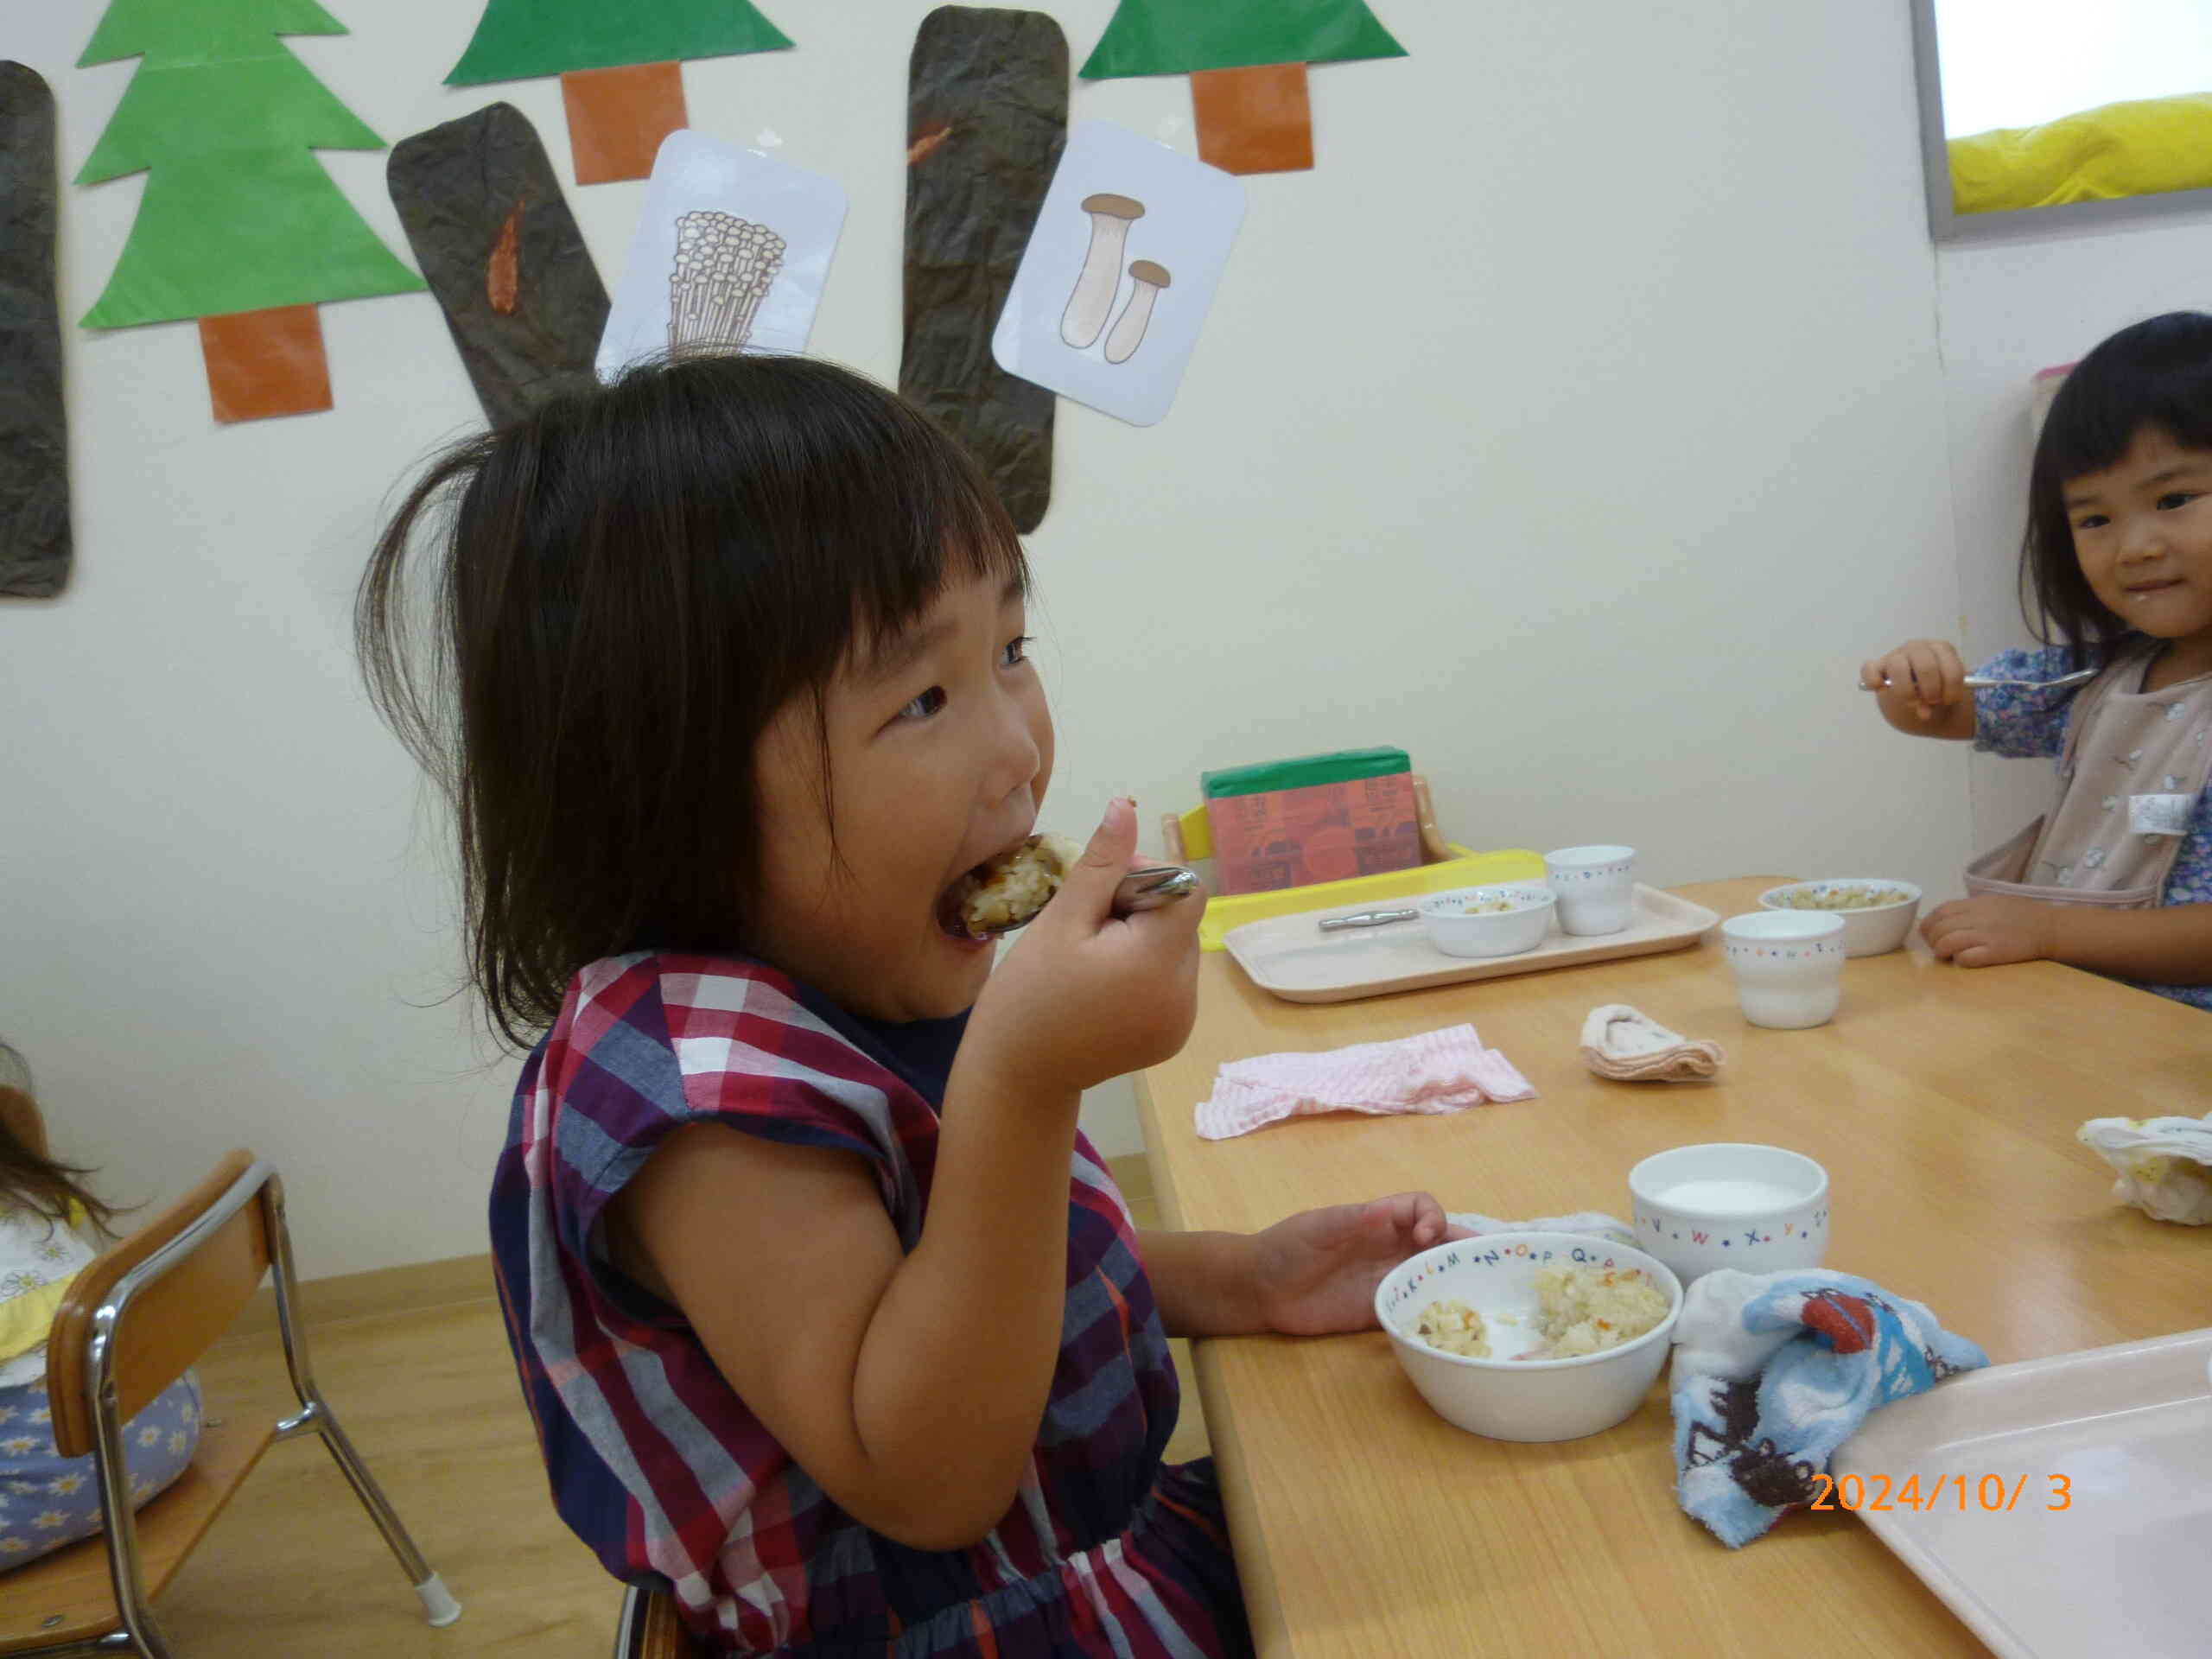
(2144,147)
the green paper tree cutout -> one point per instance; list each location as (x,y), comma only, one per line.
(1177,37)
(618,115)
(521,40)
(238,215)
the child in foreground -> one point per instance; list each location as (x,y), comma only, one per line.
(51,1225)
(2117,876)
(829,1317)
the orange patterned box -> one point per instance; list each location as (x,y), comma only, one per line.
(1269,838)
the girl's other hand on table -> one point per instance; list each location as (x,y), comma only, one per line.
(1990,929)
(1314,1274)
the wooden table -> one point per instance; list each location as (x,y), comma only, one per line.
(1943,1103)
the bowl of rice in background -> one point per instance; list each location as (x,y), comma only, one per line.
(1560,1392)
(1876,913)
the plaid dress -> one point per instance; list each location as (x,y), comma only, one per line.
(656,1463)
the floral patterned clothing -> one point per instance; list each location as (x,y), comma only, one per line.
(48,1500)
(2021,721)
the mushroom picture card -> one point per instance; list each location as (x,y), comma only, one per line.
(731,253)
(1119,273)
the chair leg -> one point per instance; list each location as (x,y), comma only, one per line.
(630,1629)
(438,1605)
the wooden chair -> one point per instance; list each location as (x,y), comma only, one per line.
(652,1628)
(134,1319)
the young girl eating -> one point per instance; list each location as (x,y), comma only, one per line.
(2116,877)
(828,1316)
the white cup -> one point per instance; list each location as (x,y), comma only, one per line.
(1788,966)
(1596,887)
(1730,1205)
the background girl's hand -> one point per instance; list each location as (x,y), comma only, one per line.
(1990,929)
(1085,995)
(1922,676)
(1315,1273)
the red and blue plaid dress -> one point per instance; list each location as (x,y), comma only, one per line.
(656,1463)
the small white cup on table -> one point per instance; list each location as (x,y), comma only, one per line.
(1736,1204)
(1787,964)
(1596,887)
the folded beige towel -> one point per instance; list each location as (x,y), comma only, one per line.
(1619,1042)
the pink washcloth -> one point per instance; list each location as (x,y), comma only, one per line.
(1436,1071)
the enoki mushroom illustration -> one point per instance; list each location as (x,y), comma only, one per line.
(1092,303)
(724,267)
(1128,333)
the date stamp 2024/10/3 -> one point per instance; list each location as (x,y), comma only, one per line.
(1990,1494)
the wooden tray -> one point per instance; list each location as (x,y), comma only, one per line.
(2120,1568)
(1290,958)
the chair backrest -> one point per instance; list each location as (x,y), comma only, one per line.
(19,1115)
(169,1321)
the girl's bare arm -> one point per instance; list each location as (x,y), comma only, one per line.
(2170,946)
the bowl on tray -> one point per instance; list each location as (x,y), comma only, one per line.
(1509,1399)
(1498,921)
(1875,918)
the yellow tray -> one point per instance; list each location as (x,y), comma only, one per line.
(1189,836)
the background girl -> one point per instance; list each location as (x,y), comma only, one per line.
(827,1315)
(2117,876)
(50,1226)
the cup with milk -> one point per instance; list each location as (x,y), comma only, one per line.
(1729,1204)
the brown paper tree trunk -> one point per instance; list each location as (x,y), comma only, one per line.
(617,118)
(263,363)
(1256,120)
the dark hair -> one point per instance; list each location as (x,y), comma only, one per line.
(632,581)
(2156,374)
(26,1175)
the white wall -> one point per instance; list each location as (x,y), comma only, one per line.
(1577,425)
(2009,309)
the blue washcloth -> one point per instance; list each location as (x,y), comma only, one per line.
(1773,1371)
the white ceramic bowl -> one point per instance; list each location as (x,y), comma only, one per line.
(1730,1205)
(1458,929)
(1869,931)
(1787,966)
(1520,1399)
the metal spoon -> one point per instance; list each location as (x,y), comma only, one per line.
(1984,681)
(1147,888)
(1367,918)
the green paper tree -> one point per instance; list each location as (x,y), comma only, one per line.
(617,116)
(237,215)
(1237,39)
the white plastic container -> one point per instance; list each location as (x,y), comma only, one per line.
(1787,964)
(1736,1204)
(1461,922)
(1868,929)
(1596,887)
(1520,1399)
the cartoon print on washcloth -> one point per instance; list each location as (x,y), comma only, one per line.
(1767,1475)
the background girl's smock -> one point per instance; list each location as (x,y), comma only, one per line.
(657,1465)
(48,1500)
(2023,722)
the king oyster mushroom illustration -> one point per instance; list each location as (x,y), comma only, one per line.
(1128,333)
(1092,303)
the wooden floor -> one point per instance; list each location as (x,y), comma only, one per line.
(429,1398)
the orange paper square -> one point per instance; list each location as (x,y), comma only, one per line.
(617,118)
(1256,120)
(263,364)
